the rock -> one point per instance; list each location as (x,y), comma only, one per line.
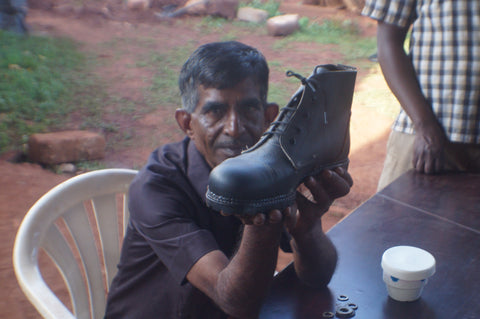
(67,168)
(138,4)
(283,25)
(65,147)
(252,15)
(221,8)
(196,7)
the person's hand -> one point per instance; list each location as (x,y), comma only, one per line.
(324,189)
(273,217)
(428,149)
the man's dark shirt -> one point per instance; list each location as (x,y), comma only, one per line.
(170,229)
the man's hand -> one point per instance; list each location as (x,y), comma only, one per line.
(429,149)
(314,255)
(273,217)
(324,188)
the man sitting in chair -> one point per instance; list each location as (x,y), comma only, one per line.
(179,258)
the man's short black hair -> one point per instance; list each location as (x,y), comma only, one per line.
(221,65)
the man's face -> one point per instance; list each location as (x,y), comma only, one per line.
(227,121)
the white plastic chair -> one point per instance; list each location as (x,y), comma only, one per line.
(77,224)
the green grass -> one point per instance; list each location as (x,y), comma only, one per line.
(211,24)
(41,83)
(270,6)
(343,34)
(164,88)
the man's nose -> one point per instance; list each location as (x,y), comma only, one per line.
(233,124)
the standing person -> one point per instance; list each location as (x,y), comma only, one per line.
(12,15)
(179,258)
(437,83)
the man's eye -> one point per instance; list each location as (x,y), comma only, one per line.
(216,110)
(255,107)
(251,110)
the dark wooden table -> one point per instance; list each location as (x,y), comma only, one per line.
(440,214)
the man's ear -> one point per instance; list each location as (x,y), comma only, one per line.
(271,112)
(184,120)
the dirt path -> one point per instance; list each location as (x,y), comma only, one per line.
(22,184)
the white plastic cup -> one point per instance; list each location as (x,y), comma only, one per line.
(406,270)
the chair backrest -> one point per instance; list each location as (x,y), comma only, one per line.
(80,224)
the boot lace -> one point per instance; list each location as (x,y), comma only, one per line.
(276,126)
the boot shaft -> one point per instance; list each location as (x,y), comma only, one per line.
(316,119)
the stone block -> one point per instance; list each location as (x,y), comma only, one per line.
(65,147)
(221,8)
(196,7)
(138,4)
(283,25)
(252,15)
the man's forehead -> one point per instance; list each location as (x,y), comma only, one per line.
(243,88)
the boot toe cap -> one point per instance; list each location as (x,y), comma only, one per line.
(248,187)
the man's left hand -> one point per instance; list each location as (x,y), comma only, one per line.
(324,188)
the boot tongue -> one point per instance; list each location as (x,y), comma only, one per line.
(280,123)
(317,131)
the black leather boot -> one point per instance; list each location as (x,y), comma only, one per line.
(309,135)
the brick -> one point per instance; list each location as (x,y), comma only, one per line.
(138,4)
(283,25)
(65,147)
(223,8)
(252,15)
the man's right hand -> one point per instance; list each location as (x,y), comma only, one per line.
(429,149)
(273,217)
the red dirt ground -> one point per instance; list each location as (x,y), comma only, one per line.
(23,183)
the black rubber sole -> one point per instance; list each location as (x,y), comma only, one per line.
(230,205)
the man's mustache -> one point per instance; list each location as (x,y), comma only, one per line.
(234,144)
